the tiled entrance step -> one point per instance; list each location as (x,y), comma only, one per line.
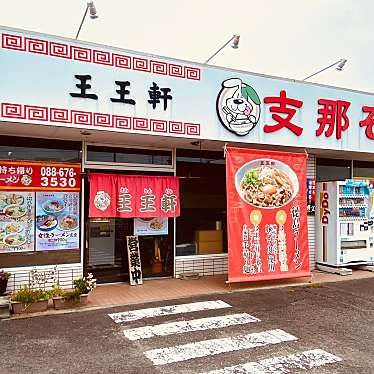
(4,307)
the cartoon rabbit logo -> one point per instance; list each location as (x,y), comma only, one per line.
(238,106)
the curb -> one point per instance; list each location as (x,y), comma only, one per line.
(308,284)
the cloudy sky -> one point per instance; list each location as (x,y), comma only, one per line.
(288,38)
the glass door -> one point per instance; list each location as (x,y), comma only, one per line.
(157,253)
(106,253)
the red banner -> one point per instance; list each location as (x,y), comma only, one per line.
(267,215)
(128,196)
(39,176)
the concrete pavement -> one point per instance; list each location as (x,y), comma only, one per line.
(329,327)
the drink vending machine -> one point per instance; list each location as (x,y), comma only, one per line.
(344,223)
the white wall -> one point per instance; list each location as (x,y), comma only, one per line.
(44,277)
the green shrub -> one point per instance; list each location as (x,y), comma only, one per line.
(27,295)
(85,285)
(57,291)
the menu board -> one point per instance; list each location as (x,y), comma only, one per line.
(57,220)
(151,226)
(17,221)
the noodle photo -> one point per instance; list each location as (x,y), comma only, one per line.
(68,222)
(266,185)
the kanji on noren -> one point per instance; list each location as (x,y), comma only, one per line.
(128,196)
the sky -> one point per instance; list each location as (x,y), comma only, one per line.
(288,38)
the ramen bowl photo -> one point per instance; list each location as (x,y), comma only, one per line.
(46,222)
(53,206)
(15,211)
(13,228)
(156,224)
(68,222)
(266,183)
(14,198)
(14,240)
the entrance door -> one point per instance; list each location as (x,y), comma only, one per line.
(106,248)
(106,252)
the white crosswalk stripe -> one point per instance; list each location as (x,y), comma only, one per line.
(180,327)
(167,310)
(204,348)
(283,364)
(211,347)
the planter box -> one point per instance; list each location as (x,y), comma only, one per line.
(38,306)
(62,303)
(84,298)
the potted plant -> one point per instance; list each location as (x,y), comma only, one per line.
(83,286)
(27,300)
(78,296)
(58,297)
(4,276)
(65,299)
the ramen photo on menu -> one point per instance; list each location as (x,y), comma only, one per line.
(269,185)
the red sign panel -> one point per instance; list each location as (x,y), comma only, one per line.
(267,215)
(39,176)
(127,196)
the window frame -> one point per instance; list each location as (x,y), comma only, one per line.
(112,165)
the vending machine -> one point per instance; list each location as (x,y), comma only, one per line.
(344,223)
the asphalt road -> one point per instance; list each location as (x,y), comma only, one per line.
(337,318)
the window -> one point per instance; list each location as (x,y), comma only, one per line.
(201,227)
(333,169)
(129,155)
(13,148)
(363,169)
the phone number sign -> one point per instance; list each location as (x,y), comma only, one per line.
(38,176)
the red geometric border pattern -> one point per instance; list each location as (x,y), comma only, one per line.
(13,42)
(159,125)
(97,120)
(60,115)
(59,50)
(94,56)
(37,46)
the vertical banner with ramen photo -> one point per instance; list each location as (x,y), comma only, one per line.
(266,215)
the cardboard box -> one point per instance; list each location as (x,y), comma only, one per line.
(209,247)
(208,235)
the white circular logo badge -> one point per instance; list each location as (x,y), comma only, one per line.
(26,180)
(102,200)
(238,106)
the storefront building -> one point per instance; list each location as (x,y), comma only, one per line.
(71,110)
